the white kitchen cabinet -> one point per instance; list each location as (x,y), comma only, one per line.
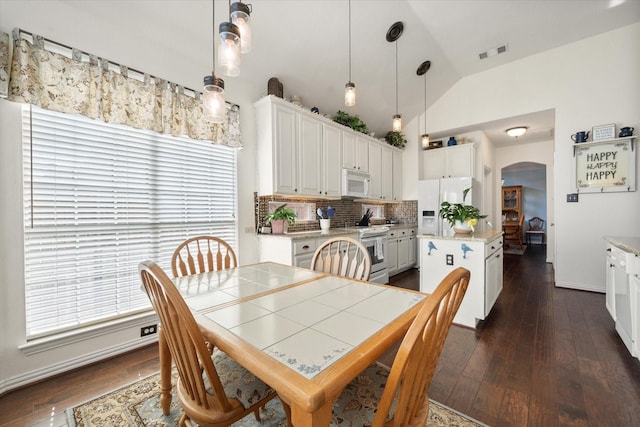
(610,289)
(299,153)
(381,171)
(481,254)
(449,162)
(635,307)
(397,176)
(401,249)
(355,151)
(375,160)
(295,249)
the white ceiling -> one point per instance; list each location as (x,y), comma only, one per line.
(304,43)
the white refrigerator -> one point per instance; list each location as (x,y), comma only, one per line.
(432,192)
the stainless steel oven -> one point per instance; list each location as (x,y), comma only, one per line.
(375,240)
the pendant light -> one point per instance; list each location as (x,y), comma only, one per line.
(240,13)
(229,51)
(212,100)
(422,70)
(394,33)
(350,88)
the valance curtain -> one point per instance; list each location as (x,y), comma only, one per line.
(92,88)
(4,64)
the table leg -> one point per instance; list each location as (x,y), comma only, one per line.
(165,374)
(321,416)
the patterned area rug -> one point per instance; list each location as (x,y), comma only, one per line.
(138,405)
(514,250)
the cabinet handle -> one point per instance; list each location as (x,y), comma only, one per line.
(609,250)
(305,247)
(612,265)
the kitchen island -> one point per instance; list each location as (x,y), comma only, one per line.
(480,253)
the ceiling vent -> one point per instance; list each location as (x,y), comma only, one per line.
(493,52)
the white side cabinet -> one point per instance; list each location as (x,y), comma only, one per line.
(449,162)
(296,250)
(401,249)
(610,289)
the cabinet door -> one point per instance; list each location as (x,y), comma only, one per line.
(397,175)
(375,160)
(434,163)
(460,161)
(331,161)
(285,150)
(403,252)
(413,251)
(310,149)
(386,174)
(349,150)
(392,255)
(610,289)
(362,154)
(493,280)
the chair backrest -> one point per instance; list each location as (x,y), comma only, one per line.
(418,355)
(202,254)
(536,224)
(343,256)
(186,345)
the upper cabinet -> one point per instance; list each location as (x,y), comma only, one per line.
(355,152)
(450,162)
(397,175)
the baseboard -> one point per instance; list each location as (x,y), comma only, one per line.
(580,287)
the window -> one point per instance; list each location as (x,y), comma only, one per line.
(101,198)
(376,210)
(304,211)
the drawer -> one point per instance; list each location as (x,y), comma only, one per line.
(304,246)
(493,246)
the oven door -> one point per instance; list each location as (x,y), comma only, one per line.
(376,246)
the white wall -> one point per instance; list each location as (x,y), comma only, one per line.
(588,83)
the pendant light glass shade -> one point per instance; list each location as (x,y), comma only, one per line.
(424,139)
(229,50)
(349,94)
(397,123)
(214,108)
(240,13)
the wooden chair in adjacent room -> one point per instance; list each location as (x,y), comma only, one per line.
(343,256)
(202,254)
(400,396)
(513,231)
(536,228)
(212,390)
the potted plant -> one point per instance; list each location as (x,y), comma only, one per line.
(353,122)
(461,217)
(281,218)
(396,139)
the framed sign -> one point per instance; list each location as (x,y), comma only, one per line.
(598,133)
(605,166)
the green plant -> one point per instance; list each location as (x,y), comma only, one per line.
(396,139)
(282,212)
(348,120)
(453,212)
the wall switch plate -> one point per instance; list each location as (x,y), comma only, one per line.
(572,198)
(449,259)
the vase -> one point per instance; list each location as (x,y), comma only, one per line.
(461,227)
(452,141)
(279,226)
(325,224)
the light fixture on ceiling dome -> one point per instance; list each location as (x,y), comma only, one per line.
(393,34)
(214,108)
(516,131)
(422,71)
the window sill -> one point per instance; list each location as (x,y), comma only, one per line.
(138,320)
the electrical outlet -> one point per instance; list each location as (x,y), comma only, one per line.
(572,198)
(148,330)
(449,259)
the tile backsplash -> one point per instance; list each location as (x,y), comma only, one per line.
(347,212)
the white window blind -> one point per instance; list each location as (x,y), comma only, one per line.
(101,198)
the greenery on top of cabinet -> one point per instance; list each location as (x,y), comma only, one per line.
(354,122)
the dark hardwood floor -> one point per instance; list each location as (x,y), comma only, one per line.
(545,356)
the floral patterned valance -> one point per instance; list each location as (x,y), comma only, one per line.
(92,88)
(4,64)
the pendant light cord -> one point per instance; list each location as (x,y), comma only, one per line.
(213,33)
(349,40)
(425,102)
(396,76)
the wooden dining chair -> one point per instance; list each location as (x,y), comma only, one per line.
(513,231)
(342,256)
(202,254)
(400,396)
(212,390)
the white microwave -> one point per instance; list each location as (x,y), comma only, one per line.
(356,184)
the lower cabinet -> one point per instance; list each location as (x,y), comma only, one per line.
(401,249)
(295,249)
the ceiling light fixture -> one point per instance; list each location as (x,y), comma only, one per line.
(229,51)
(212,100)
(350,88)
(422,70)
(240,13)
(516,131)
(393,34)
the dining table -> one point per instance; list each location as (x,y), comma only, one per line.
(304,333)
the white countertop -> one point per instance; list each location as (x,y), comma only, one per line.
(483,236)
(313,233)
(627,243)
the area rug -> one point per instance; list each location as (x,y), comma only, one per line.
(138,405)
(514,250)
